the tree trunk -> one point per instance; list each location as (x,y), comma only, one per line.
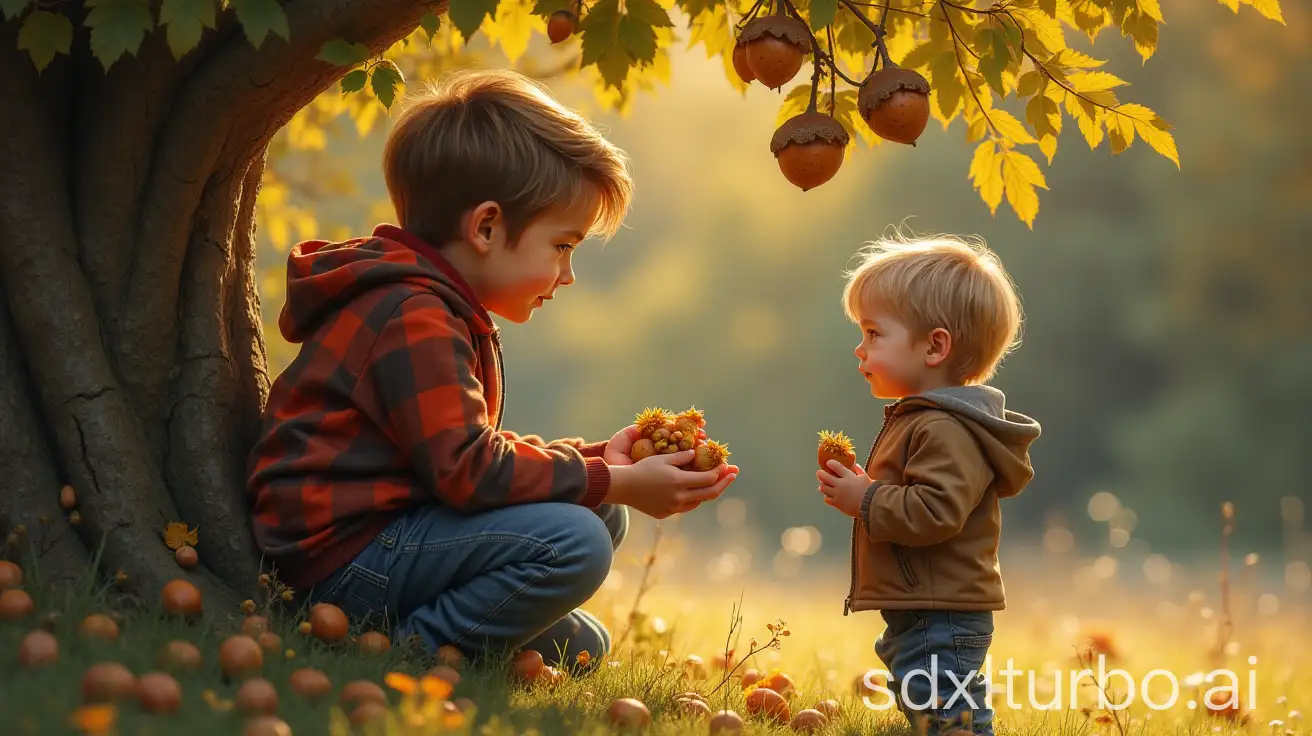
(132,363)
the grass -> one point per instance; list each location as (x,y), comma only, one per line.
(824,653)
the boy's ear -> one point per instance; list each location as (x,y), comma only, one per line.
(485,227)
(938,347)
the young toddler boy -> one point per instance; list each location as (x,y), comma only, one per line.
(936,316)
(382,481)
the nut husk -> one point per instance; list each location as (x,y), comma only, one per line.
(779,26)
(882,84)
(807,127)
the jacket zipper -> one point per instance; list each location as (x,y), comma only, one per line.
(856,523)
(501,382)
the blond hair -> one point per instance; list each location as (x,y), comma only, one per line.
(476,136)
(943,281)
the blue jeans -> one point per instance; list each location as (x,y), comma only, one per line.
(938,658)
(489,583)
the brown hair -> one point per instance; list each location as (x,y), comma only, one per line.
(477,136)
(946,282)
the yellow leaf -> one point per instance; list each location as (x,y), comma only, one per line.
(1120,131)
(1043,113)
(1151,128)
(1089,17)
(513,27)
(1268,9)
(1075,58)
(731,74)
(1011,129)
(1043,34)
(978,128)
(1087,116)
(947,88)
(1152,9)
(1095,81)
(846,112)
(1021,175)
(986,172)
(711,27)
(1143,29)
(1048,144)
(920,56)
(794,104)
(1232,4)
(176,535)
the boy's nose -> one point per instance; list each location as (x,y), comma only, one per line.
(566,275)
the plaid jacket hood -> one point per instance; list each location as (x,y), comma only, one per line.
(395,399)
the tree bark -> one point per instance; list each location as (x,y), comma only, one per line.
(132,362)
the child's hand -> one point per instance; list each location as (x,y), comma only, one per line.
(844,488)
(657,487)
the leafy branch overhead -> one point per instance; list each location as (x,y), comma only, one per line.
(878,69)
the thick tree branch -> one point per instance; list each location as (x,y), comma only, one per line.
(234,102)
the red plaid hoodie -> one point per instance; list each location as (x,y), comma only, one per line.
(394,400)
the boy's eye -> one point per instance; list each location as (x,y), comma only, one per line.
(565,247)
(871,334)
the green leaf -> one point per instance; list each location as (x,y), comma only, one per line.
(259,18)
(43,35)
(468,15)
(186,21)
(648,12)
(1009,127)
(341,52)
(995,49)
(11,9)
(613,41)
(430,23)
(385,78)
(117,27)
(354,81)
(1021,176)
(822,13)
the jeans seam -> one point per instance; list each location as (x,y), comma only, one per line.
(409,549)
(525,586)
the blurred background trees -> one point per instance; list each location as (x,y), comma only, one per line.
(1168,340)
